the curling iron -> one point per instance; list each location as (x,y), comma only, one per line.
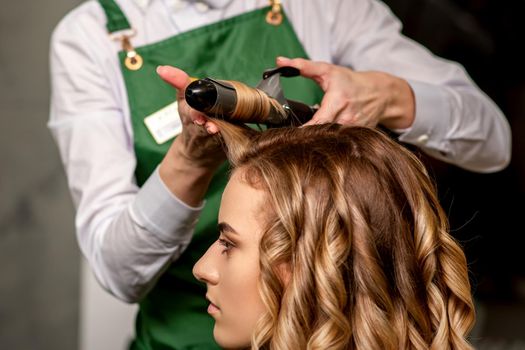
(235,101)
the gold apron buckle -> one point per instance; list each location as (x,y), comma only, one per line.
(133,60)
(275,16)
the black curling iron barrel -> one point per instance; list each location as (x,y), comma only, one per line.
(211,97)
(235,101)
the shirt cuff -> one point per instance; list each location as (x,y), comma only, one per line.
(159,211)
(431,123)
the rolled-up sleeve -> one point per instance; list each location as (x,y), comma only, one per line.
(454,121)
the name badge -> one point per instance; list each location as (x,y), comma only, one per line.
(165,123)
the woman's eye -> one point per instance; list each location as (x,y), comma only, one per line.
(226,244)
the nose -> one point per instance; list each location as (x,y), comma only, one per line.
(205,270)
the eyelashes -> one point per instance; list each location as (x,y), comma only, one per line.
(227,245)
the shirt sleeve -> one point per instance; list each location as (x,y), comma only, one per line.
(455,121)
(128,235)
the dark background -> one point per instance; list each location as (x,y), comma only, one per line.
(486,210)
(39,256)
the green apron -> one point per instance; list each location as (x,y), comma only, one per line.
(173,315)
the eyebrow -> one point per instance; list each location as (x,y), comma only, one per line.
(224,227)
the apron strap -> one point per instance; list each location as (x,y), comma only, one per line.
(117,21)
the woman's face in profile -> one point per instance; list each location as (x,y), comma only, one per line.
(230,267)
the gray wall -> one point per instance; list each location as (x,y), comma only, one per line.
(39,257)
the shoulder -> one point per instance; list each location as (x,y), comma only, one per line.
(82,31)
(323,13)
(80,41)
(322,7)
(88,18)
(328,10)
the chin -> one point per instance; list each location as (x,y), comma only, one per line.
(229,340)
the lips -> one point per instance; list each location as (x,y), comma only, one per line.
(212,308)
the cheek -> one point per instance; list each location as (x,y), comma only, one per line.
(242,281)
(242,284)
(241,307)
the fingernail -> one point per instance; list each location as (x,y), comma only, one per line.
(282,58)
(159,69)
(198,122)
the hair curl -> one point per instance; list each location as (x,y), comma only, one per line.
(355,218)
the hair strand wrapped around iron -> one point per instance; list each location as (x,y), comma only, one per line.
(237,102)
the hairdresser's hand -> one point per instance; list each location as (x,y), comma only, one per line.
(196,153)
(358,98)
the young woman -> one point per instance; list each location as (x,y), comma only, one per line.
(332,237)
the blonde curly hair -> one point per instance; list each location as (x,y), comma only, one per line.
(355,219)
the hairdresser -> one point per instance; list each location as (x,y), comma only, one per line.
(146,202)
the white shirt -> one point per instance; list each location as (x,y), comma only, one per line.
(130,235)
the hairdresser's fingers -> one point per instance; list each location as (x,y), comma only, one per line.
(176,77)
(199,119)
(190,115)
(332,107)
(322,116)
(211,127)
(308,69)
(180,80)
